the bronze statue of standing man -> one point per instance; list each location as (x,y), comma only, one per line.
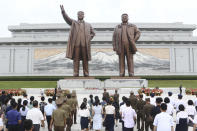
(124,38)
(78,47)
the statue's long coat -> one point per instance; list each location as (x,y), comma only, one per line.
(89,34)
(133,35)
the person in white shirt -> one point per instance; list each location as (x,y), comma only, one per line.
(1,121)
(152,99)
(170,108)
(84,113)
(122,106)
(48,110)
(42,92)
(179,102)
(163,121)
(129,117)
(97,112)
(195,101)
(36,116)
(195,123)
(172,102)
(25,98)
(23,110)
(182,119)
(191,110)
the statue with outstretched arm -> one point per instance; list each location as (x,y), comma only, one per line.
(78,46)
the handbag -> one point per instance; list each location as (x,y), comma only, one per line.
(104,123)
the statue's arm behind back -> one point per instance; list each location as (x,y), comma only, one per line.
(92,33)
(137,34)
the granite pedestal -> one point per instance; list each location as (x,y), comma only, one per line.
(114,83)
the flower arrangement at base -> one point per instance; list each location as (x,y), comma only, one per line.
(148,91)
(51,92)
(14,92)
(190,91)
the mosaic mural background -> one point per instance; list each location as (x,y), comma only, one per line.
(104,61)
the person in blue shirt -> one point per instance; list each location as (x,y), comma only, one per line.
(13,118)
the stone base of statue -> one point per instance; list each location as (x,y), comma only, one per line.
(92,83)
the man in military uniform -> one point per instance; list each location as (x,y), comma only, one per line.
(58,117)
(75,102)
(147,115)
(67,110)
(106,94)
(133,100)
(70,103)
(116,105)
(140,113)
(116,96)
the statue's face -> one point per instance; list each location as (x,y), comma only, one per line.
(80,15)
(125,18)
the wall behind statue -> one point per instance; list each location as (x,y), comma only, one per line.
(50,60)
(39,49)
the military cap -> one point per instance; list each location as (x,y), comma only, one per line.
(59,101)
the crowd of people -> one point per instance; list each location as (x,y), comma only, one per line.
(61,111)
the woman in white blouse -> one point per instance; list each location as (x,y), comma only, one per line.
(109,116)
(23,111)
(84,113)
(182,119)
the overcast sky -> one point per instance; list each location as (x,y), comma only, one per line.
(14,12)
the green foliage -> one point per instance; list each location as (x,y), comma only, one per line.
(102,78)
(31,78)
(51,81)
(172,77)
(173,83)
(27,84)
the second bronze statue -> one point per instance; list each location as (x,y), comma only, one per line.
(78,46)
(124,38)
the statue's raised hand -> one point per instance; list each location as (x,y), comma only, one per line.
(62,8)
(65,16)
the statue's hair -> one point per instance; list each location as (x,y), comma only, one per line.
(124,14)
(80,11)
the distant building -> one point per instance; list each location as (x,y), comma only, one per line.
(39,49)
